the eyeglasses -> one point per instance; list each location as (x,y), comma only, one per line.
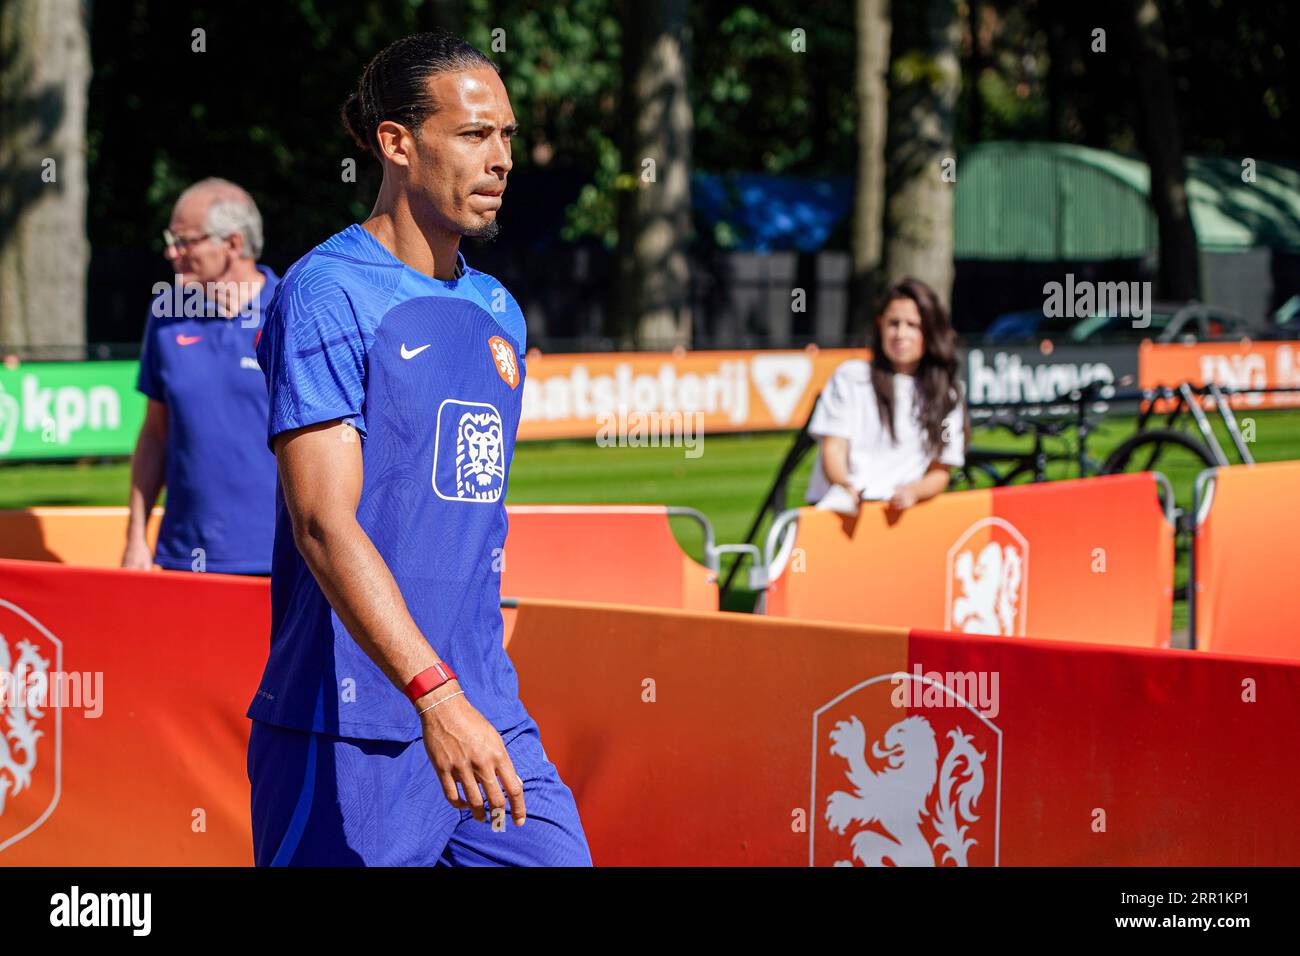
(182,243)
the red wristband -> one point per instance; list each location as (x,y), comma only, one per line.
(431,678)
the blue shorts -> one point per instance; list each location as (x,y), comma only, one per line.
(320,800)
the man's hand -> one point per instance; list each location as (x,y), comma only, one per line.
(465,748)
(137,556)
(904,497)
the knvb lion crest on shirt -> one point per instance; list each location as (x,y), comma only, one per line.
(918,785)
(503,355)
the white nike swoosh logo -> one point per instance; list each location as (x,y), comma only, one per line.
(413,352)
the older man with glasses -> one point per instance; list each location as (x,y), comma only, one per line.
(203,436)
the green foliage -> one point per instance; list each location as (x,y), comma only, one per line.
(261,105)
(1010,109)
(759,105)
(595,211)
(915,68)
(561,63)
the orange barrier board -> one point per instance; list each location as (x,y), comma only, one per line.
(1246,599)
(89,537)
(157,777)
(688,738)
(728,739)
(622,554)
(1086,560)
(618,553)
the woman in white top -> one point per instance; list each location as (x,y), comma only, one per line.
(891,428)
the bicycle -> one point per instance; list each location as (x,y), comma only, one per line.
(1207,451)
(987,466)
(1167,448)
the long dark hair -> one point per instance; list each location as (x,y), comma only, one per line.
(394,85)
(936,376)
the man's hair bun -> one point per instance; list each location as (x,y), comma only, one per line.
(354,120)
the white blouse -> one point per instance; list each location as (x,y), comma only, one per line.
(877,463)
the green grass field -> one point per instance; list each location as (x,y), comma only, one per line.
(727,482)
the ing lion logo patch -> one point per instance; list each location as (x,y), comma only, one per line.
(503,356)
(469,457)
(480,467)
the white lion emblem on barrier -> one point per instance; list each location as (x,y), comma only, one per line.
(988,579)
(18,734)
(990,590)
(895,799)
(480,465)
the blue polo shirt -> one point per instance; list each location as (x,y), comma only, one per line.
(220,476)
(430,373)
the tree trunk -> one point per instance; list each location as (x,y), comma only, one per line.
(654,221)
(872,29)
(924,80)
(1162,143)
(44,76)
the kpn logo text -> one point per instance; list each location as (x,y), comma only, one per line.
(55,413)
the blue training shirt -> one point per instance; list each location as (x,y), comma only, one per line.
(220,476)
(430,373)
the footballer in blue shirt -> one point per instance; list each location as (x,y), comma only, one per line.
(387,728)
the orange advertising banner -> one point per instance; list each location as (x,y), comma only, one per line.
(615,394)
(1242,364)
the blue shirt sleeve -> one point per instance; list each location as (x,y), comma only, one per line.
(313,353)
(149,380)
(501,305)
(516,323)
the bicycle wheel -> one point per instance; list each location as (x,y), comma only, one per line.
(1179,456)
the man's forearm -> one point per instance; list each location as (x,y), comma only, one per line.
(360,587)
(147,470)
